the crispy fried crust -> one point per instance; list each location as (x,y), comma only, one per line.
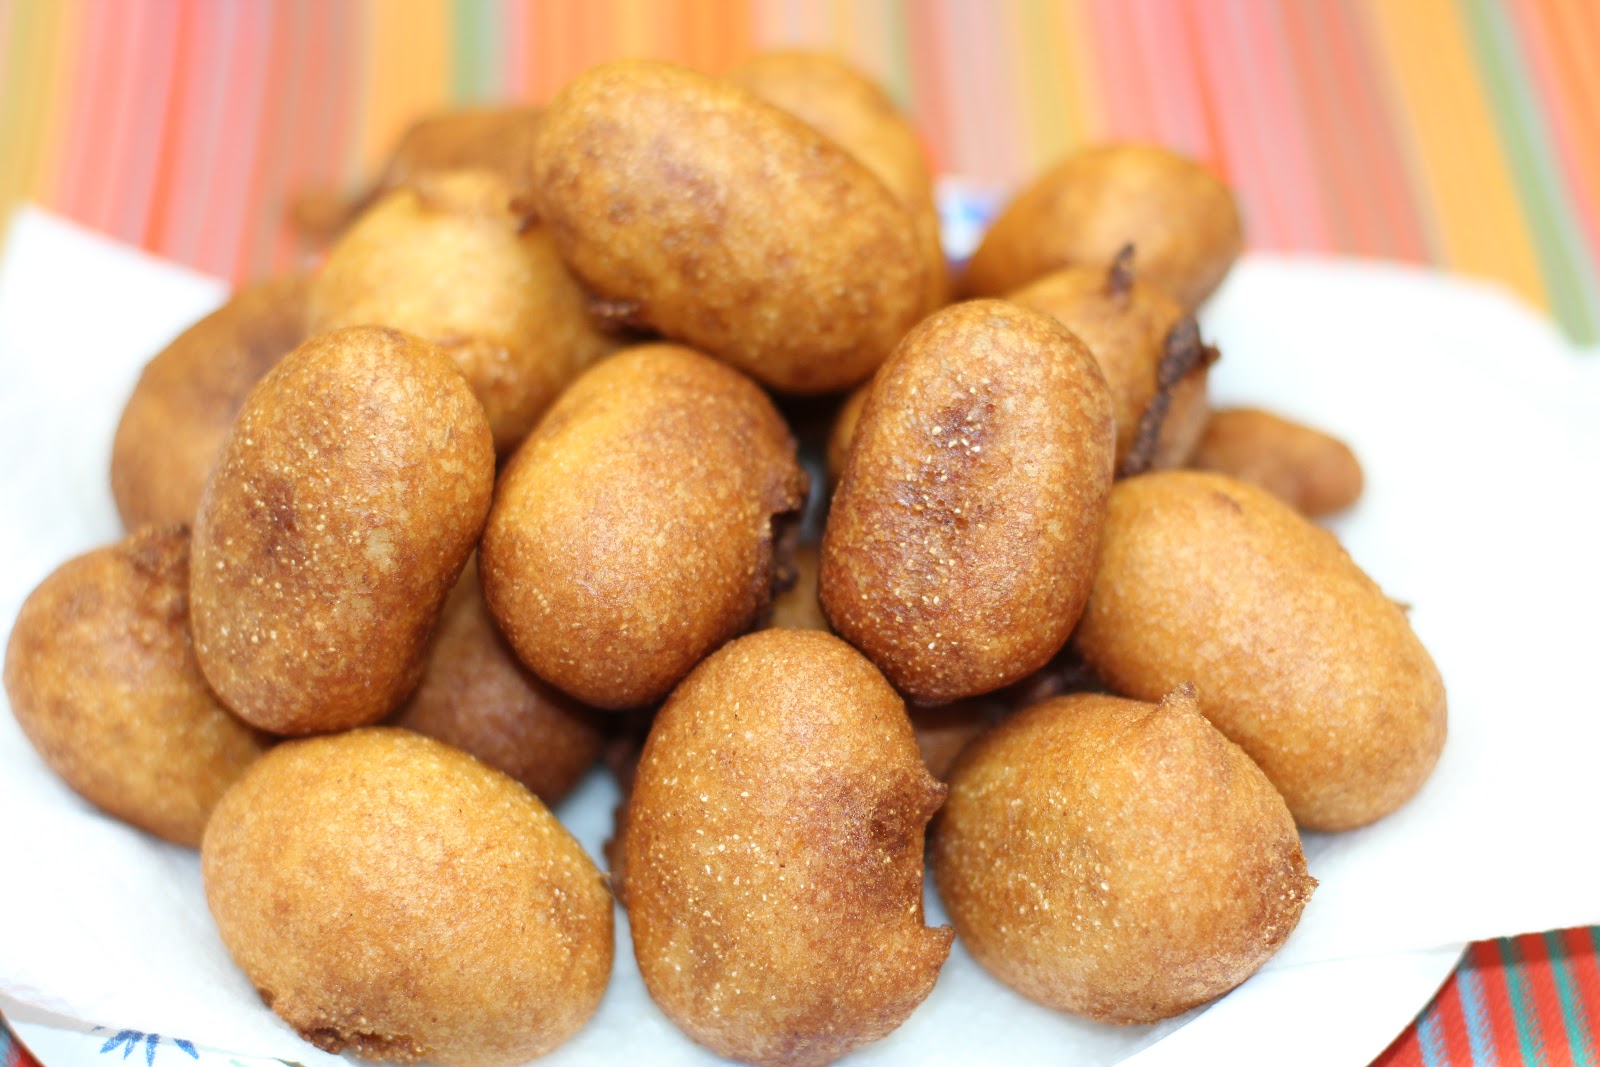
(477,696)
(1117,860)
(632,534)
(1129,325)
(188,395)
(1180,217)
(346,501)
(454,260)
(1313,472)
(853,111)
(961,542)
(393,897)
(774,854)
(1300,658)
(727,223)
(102,679)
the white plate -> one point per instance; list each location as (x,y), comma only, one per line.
(1469,418)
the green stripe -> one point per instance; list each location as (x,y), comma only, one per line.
(1569,274)
(897,65)
(1571,1003)
(477,60)
(1530,1041)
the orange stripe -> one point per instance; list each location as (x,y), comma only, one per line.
(1484,959)
(410,71)
(1383,188)
(161,204)
(72,194)
(1447,118)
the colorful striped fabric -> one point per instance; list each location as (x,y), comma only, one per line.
(1462,133)
(1456,132)
(1523,1000)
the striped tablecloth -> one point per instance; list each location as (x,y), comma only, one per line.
(1462,133)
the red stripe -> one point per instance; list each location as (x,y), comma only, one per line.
(1130,111)
(1532,956)
(1395,194)
(1583,964)
(928,86)
(1176,91)
(1450,1017)
(1484,958)
(171,126)
(147,87)
(278,127)
(237,155)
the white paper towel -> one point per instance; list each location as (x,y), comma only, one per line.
(1475,426)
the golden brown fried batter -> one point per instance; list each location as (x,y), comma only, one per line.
(962,539)
(477,696)
(187,396)
(693,207)
(102,679)
(632,534)
(1182,220)
(854,112)
(1300,658)
(346,500)
(453,259)
(393,897)
(1127,325)
(774,854)
(498,139)
(1117,860)
(1313,472)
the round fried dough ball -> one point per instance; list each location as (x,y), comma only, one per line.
(344,505)
(1179,216)
(1302,660)
(188,395)
(693,207)
(1313,472)
(1148,349)
(1117,860)
(102,679)
(850,108)
(498,139)
(773,854)
(633,532)
(961,542)
(453,259)
(393,897)
(477,696)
